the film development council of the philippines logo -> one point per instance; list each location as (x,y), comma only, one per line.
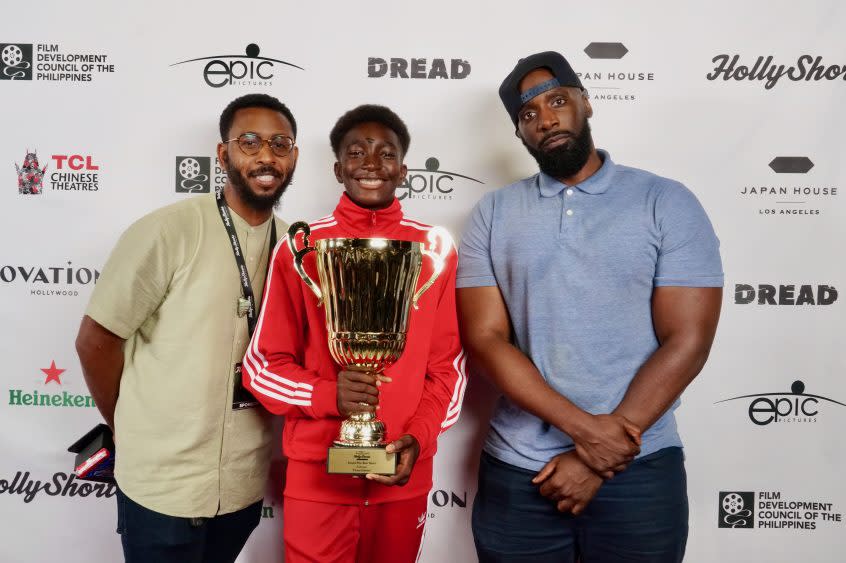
(737,510)
(193,174)
(16,60)
(30,176)
(248,69)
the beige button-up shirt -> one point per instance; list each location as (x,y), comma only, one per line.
(171,289)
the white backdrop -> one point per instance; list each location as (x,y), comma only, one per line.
(759,491)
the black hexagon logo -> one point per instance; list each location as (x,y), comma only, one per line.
(606,50)
(791,164)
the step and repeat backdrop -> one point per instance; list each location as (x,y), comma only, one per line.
(110,110)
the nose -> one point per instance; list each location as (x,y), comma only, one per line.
(265,155)
(371,161)
(547,119)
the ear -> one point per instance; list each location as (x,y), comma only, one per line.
(222,156)
(404,171)
(588,107)
(295,154)
(337,168)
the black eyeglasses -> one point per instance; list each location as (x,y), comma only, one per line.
(250,144)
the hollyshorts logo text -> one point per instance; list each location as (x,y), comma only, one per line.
(794,406)
(771,509)
(430,182)
(768,71)
(50,62)
(25,487)
(608,77)
(249,69)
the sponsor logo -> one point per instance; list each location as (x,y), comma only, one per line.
(446,500)
(193,174)
(71,172)
(249,69)
(794,406)
(378,67)
(48,281)
(75,172)
(51,63)
(788,197)
(430,182)
(30,176)
(768,294)
(47,397)
(770,509)
(26,488)
(766,70)
(15,61)
(609,78)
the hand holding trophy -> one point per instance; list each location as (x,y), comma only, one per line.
(367,288)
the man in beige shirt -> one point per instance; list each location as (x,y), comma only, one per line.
(161,344)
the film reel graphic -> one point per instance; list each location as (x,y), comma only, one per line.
(735,510)
(192,179)
(14,65)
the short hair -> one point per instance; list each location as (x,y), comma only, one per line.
(253,101)
(369,113)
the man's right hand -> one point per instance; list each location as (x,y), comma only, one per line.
(607,443)
(357,392)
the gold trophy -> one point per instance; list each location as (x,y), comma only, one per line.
(367,286)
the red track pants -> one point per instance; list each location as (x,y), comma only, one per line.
(317,532)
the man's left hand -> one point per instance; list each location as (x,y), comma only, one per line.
(568,482)
(407,448)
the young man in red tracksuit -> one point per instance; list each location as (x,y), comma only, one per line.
(288,367)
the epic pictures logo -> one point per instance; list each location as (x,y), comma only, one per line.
(248,69)
(430,182)
(740,509)
(807,68)
(52,63)
(791,195)
(608,77)
(794,406)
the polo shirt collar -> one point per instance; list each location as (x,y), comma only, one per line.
(596,184)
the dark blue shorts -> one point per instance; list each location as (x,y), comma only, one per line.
(151,537)
(638,516)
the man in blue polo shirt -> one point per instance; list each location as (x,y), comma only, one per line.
(589,293)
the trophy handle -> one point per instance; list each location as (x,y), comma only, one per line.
(300,254)
(440,243)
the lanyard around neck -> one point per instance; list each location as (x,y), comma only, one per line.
(243,274)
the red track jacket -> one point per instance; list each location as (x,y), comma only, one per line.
(289,369)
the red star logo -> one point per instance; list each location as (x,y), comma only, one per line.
(53,373)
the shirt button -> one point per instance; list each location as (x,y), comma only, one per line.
(569,212)
(569,191)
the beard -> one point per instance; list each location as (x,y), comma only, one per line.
(565,160)
(249,197)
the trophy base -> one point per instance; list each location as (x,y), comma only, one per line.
(353,460)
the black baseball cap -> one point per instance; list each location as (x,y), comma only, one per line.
(509,90)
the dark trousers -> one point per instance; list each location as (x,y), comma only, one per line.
(638,516)
(150,537)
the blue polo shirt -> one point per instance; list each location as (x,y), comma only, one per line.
(576,266)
